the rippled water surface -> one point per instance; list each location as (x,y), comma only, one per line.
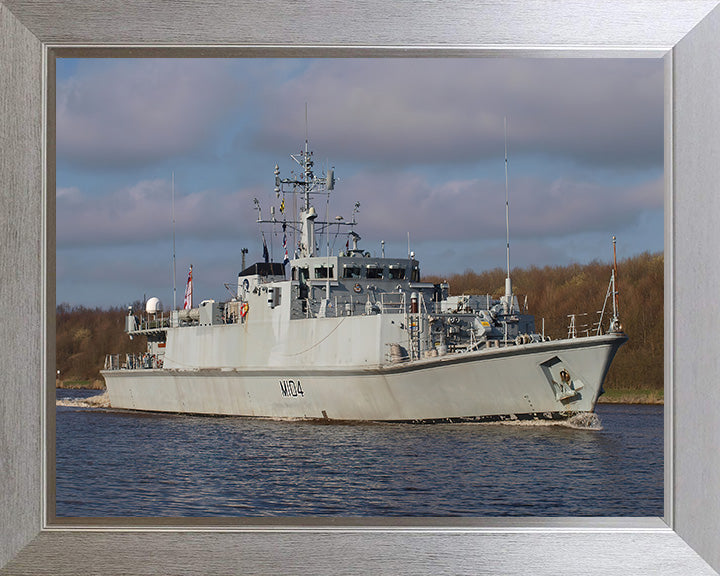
(112,463)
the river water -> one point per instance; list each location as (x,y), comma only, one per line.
(114,463)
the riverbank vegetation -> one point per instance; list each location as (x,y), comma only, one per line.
(85,335)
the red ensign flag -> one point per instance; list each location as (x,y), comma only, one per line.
(188,292)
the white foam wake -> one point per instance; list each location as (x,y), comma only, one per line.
(99,401)
(584,421)
(581,421)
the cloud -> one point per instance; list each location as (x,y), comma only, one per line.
(392,204)
(131,113)
(142,213)
(419,142)
(122,113)
(71,195)
(427,111)
(458,210)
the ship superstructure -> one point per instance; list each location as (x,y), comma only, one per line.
(352,336)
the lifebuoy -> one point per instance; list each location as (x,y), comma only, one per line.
(244,309)
(357,288)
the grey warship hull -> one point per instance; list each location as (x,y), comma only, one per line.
(502,383)
(355,336)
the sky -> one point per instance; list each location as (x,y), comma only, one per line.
(420,143)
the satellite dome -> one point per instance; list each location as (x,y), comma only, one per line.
(153,306)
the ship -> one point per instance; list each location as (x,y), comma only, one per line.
(354,336)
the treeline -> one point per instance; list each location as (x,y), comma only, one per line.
(86,335)
(554,292)
(83,336)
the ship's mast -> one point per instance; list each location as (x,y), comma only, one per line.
(304,186)
(308,216)
(327,246)
(308,163)
(508,282)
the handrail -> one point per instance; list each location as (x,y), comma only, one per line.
(386,304)
(144,361)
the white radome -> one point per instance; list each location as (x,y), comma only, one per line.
(153,306)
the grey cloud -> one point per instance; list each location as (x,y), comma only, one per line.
(425,111)
(142,213)
(130,114)
(392,204)
(467,209)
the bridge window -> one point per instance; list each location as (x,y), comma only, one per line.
(304,273)
(324,272)
(397,273)
(374,272)
(351,272)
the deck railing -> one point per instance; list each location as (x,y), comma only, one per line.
(145,361)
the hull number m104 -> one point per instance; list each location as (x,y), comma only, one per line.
(291,388)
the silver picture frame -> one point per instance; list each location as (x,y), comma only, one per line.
(685,33)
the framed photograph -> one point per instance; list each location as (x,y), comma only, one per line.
(411,195)
(33,539)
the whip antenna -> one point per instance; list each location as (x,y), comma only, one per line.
(172,187)
(615,291)
(508,283)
